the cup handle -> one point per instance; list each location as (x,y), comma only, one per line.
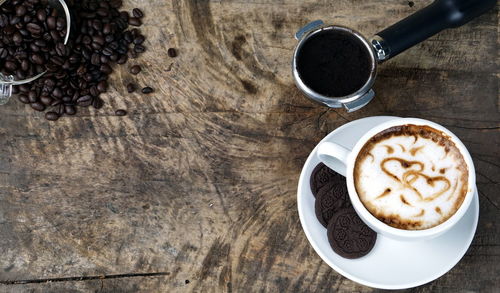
(334,156)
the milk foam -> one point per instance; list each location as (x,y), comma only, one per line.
(410,181)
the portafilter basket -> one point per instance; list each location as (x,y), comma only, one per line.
(434,18)
(6,82)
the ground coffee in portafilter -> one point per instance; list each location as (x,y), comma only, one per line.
(31,41)
(334,63)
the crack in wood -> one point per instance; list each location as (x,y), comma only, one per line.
(484,161)
(82,278)
(488,199)
(341,116)
(473,128)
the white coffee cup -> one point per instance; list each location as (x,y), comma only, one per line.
(342,160)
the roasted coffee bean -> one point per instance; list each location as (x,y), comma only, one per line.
(87,40)
(107,51)
(102,12)
(107,29)
(34,28)
(95,59)
(136,12)
(94,91)
(131,88)
(20,10)
(135,21)
(4,20)
(124,15)
(98,103)
(60,23)
(84,99)
(15,20)
(172,52)
(96,46)
(139,39)
(55,35)
(17,38)
(69,110)
(97,25)
(40,43)
(51,22)
(3,53)
(21,75)
(41,15)
(32,96)
(57,93)
(139,48)
(23,99)
(50,82)
(60,109)
(115,3)
(9,29)
(37,59)
(34,47)
(24,88)
(120,112)
(147,90)
(38,106)
(10,65)
(104,59)
(23,32)
(57,60)
(105,68)
(127,36)
(52,116)
(133,54)
(135,69)
(46,100)
(99,40)
(54,13)
(109,38)
(122,60)
(102,86)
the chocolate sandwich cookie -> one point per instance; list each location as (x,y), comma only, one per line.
(330,199)
(349,236)
(321,176)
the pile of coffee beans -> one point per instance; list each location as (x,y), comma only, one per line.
(31,41)
(31,38)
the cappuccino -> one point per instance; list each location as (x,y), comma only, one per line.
(411,177)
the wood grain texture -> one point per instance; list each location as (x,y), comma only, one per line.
(199,180)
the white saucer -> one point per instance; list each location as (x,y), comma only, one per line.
(391,264)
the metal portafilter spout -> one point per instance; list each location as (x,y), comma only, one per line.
(438,16)
(6,82)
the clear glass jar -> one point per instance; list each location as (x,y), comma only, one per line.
(7,82)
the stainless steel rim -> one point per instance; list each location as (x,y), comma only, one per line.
(335,101)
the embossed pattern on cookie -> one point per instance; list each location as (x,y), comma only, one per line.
(349,236)
(321,176)
(330,199)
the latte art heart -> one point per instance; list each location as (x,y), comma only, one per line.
(402,165)
(411,177)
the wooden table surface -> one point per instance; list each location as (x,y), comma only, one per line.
(195,190)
